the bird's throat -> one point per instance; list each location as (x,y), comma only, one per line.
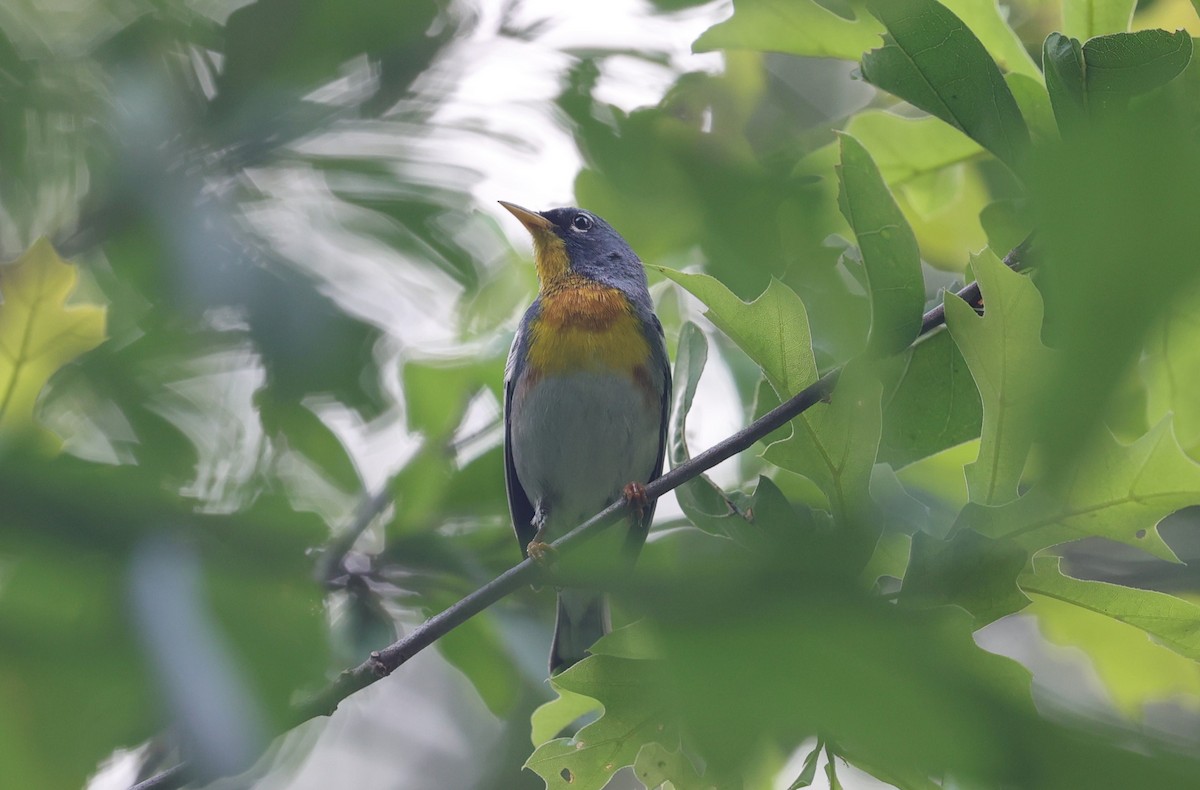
(550,258)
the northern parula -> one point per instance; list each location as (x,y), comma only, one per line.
(587,392)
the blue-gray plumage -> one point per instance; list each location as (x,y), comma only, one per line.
(587,395)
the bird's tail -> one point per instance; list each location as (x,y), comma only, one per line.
(582,619)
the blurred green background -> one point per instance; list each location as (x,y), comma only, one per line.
(286,450)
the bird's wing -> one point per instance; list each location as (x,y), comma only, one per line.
(658,350)
(519,505)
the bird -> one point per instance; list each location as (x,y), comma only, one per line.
(587,398)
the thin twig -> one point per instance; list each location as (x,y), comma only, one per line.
(382,663)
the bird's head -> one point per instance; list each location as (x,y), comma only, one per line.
(570,241)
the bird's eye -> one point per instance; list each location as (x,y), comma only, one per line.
(582,222)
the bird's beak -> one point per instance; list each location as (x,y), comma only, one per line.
(534,222)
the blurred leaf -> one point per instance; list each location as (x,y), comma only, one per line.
(968,570)
(734,637)
(39,331)
(67,529)
(701,500)
(1033,99)
(655,765)
(933,61)
(890,558)
(635,713)
(899,777)
(1004,351)
(772,330)
(891,260)
(796,27)
(296,426)
(935,405)
(812,28)
(1006,224)
(897,508)
(1084,19)
(477,649)
(437,394)
(1123,191)
(1173,622)
(1171,370)
(1133,669)
(276,51)
(1114,491)
(636,640)
(907,148)
(432,489)
(834,444)
(309,344)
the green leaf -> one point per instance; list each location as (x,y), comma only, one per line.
(551,718)
(809,771)
(635,713)
(831,770)
(635,640)
(772,330)
(1031,96)
(701,500)
(1004,351)
(1113,491)
(478,650)
(437,394)
(1171,371)
(891,260)
(934,406)
(810,29)
(1172,621)
(835,444)
(970,571)
(1006,223)
(933,61)
(986,21)
(1128,64)
(796,27)
(890,558)
(1084,19)
(39,331)
(1104,73)
(1062,58)
(655,765)
(905,149)
(1133,669)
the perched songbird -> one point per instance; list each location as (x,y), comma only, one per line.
(586,398)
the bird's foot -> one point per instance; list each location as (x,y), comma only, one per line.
(635,497)
(541,552)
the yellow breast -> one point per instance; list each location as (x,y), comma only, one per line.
(586,326)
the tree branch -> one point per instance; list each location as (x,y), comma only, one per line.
(382,663)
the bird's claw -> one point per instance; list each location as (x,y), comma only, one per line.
(540,552)
(635,497)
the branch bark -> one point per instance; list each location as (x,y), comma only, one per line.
(382,663)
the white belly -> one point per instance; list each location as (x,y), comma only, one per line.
(578,439)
